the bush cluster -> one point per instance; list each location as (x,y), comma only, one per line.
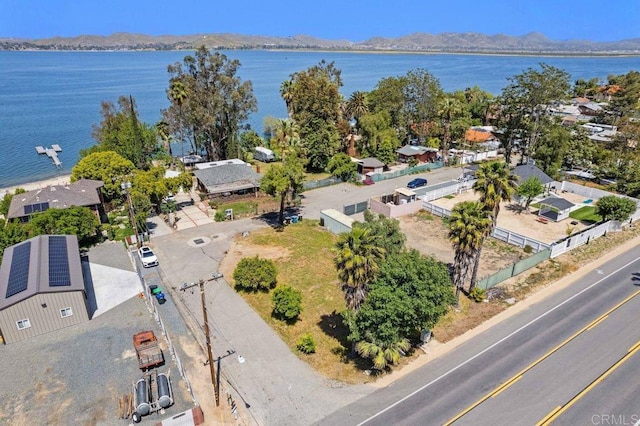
(255,274)
(287,303)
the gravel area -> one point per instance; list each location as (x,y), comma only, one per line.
(76,375)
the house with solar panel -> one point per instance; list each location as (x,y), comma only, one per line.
(41,287)
(83,193)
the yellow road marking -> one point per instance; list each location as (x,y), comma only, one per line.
(597,322)
(549,415)
(539,360)
(549,418)
(506,385)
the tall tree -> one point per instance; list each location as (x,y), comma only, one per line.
(468,225)
(379,139)
(284,180)
(529,96)
(386,231)
(357,106)
(357,259)
(287,138)
(109,167)
(448,109)
(286,92)
(216,105)
(177,94)
(315,107)
(422,95)
(410,294)
(529,189)
(122,132)
(495,183)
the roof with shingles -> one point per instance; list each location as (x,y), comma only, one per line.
(473,135)
(228,177)
(525,171)
(83,193)
(371,162)
(557,202)
(411,150)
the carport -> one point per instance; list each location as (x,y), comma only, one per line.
(555,208)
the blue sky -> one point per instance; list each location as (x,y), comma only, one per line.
(355,20)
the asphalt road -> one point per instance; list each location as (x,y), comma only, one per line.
(542,358)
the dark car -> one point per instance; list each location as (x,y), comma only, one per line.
(417,183)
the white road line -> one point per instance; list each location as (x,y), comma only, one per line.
(494,345)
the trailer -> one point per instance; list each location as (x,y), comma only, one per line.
(263,154)
(147,350)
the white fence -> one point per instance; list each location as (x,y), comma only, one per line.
(501,234)
(519,240)
(577,240)
(443,190)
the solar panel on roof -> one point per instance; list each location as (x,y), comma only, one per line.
(37,207)
(58,262)
(19,272)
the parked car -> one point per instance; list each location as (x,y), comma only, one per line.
(417,183)
(147,257)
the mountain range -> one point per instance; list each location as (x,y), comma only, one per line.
(532,43)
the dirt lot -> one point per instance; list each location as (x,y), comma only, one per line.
(525,222)
(428,234)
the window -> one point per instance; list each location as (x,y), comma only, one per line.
(23,324)
(66,312)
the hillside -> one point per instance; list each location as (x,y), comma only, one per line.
(532,43)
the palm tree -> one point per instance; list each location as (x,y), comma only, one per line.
(286,136)
(178,95)
(468,224)
(357,106)
(495,183)
(286,91)
(448,109)
(357,261)
(383,353)
(165,136)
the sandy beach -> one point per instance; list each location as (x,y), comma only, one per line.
(58,180)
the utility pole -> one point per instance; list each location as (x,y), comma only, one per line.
(126,186)
(212,367)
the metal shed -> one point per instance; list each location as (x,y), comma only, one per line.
(335,221)
(41,287)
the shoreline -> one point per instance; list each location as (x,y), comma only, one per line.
(524,53)
(38,184)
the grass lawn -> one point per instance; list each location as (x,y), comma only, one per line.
(586,214)
(240,208)
(308,267)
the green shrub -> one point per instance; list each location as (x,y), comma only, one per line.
(287,303)
(528,249)
(477,294)
(306,344)
(253,274)
(220,216)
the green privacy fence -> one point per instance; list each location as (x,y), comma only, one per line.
(514,269)
(313,184)
(408,171)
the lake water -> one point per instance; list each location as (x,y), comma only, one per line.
(54,97)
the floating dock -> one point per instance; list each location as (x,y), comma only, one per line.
(51,153)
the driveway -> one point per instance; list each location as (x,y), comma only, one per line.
(337,196)
(256,365)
